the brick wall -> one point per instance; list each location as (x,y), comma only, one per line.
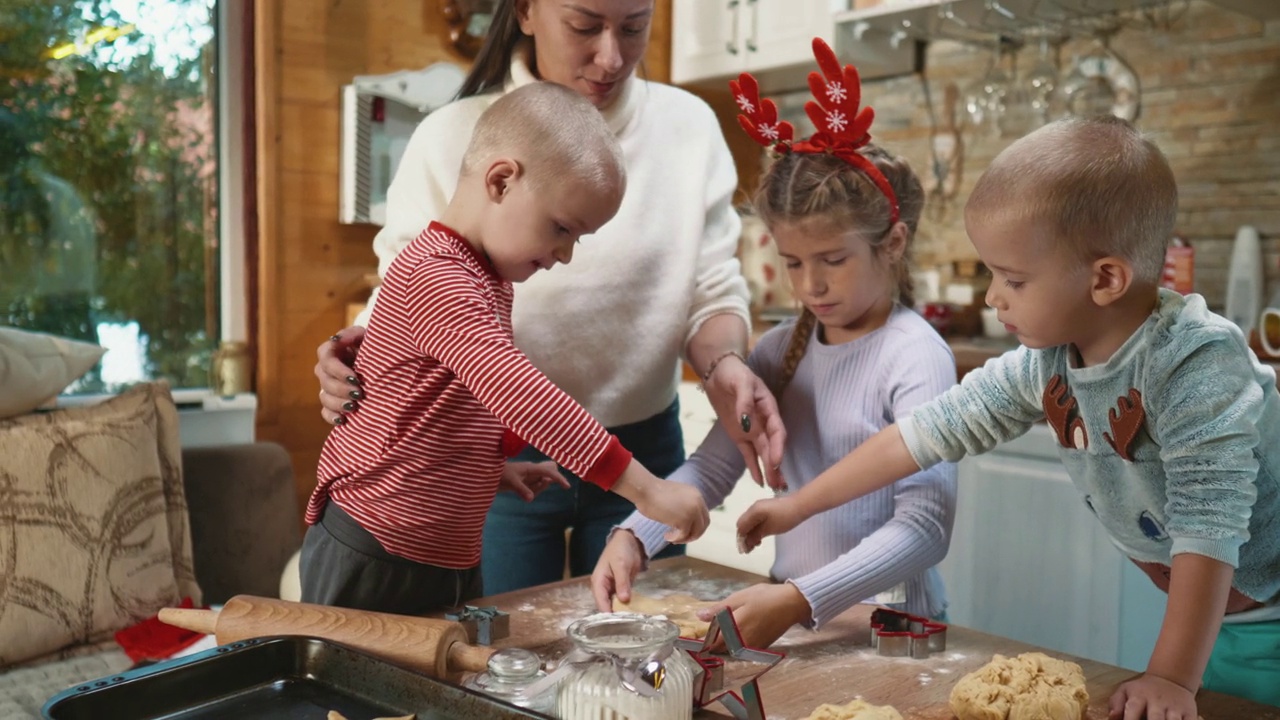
(1210,99)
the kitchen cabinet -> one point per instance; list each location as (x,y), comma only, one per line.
(1029,561)
(720,543)
(718,39)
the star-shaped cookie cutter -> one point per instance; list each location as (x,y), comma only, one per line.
(899,634)
(746,703)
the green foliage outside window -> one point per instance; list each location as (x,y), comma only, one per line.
(108,177)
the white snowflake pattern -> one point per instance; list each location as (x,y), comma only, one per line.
(745,104)
(836,121)
(836,92)
(768,131)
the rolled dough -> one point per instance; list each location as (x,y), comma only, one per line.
(856,710)
(1031,686)
(679,609)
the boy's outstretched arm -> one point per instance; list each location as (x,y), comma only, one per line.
(876,463)
(1198,590)
(674,504)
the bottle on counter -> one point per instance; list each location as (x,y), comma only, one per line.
(1179,266)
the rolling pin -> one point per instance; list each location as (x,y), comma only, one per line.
(435,647)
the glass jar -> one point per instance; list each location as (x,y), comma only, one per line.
(626,666)
(511,674)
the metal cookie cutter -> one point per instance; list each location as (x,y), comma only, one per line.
(743,702)
(483,624)
(899,634)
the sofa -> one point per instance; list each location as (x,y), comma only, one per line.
(223,521)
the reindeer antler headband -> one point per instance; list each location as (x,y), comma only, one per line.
(841,126)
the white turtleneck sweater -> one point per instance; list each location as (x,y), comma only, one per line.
(610,327)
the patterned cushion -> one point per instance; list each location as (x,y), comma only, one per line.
(93,524)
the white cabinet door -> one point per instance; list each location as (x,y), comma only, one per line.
(779,33)
(720,543)
(1029,561)
(706,40)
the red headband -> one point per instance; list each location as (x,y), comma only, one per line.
(841,126)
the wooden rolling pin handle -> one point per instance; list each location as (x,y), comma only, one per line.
(468,658)
(203,621)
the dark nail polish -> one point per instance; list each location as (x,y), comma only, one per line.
(356,395)
(340,420)
(335,338)
(746,423)
(348,406)
(353,380)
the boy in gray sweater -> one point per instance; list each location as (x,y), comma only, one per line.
(1166,421)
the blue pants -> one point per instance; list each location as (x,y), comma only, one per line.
(524,543)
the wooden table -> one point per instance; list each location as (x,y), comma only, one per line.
(833,665)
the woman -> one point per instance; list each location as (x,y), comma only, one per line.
(658,282)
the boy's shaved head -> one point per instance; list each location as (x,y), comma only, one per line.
(1097,185)
(552,131)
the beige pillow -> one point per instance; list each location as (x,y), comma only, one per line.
(35,368)
(94,533)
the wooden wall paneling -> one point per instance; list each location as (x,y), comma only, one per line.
(310,266)
(266,137)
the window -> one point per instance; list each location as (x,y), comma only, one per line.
(109,182)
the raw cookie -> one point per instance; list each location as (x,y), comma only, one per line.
(856,710)
(1031,686)
(679,609)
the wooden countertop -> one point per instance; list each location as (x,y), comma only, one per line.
(833,665)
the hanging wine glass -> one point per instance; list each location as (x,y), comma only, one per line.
(1016,118)
(975,99)
(1041,81)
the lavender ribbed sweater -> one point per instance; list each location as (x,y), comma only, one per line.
(840,396)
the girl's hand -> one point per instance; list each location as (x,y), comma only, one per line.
(622,559)
(765,518)
(737,393)
(528,479)
(763,613)
(1153,698)
(339,387)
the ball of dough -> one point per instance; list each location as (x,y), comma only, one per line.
(856,710)
(1031,686)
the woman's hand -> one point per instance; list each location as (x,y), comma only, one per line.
(339,387)
(622,559)
(528,479)
(763,613)
(749,413)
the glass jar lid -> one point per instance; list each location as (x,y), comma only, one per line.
(515,664)
(626,635)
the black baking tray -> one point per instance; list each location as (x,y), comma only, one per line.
(299,678)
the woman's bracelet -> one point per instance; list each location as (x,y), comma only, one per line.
(706,376)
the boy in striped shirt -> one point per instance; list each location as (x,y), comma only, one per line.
(404,485)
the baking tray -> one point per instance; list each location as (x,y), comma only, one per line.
(299,678)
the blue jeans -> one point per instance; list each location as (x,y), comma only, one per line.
(524,543)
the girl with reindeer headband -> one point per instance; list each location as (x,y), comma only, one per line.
(842,212)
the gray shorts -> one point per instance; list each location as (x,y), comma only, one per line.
(344,565)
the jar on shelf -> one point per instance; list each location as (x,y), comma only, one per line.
(625,665)
(511,676)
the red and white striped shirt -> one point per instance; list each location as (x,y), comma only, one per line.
(418,466)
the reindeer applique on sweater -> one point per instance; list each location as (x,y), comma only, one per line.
(1062,413)
(1190,422)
